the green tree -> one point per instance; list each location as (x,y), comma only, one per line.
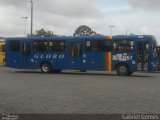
(42,32)
(84,31)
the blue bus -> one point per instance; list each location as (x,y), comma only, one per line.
(124,54)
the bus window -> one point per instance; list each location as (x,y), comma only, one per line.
(93,46)
(14,46)
(40,46)
(57,46)
(88,46)
(107,46)
(98,46)
(123,45)
(75,49)
(26,49)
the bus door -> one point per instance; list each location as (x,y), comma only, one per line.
(26,54)
(142,56)
(75,55)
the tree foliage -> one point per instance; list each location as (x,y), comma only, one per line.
(42,32)
(84,31)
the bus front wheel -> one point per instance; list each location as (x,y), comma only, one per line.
(122,69)
(45,68)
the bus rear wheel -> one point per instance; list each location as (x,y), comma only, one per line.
(45,68)
(122,70)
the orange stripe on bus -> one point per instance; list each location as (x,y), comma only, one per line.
(108,61)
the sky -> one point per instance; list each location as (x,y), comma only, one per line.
(63,17)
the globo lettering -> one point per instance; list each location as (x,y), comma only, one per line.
(48,56)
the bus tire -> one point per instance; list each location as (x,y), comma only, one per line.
(45,67)
(122,69)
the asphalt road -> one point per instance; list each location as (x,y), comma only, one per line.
(27,91)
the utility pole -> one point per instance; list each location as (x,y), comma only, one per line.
(25,20)
(31,17)
(111,29)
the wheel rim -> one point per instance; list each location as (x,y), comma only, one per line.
(122,69)
(45,68)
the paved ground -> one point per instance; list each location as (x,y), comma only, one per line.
(25,91)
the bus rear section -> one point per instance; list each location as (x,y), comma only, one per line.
(60,53)
(35,53)
(2,53)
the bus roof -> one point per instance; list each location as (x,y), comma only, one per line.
(134,36)
(57,38)
(81,38)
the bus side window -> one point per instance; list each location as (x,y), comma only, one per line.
(40,46)
(93,46)
(88,46)
(75,49)
(14,46)
(71,49)
(107,45)
(57,46)
(27,49)
(123,45)
(99,46)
